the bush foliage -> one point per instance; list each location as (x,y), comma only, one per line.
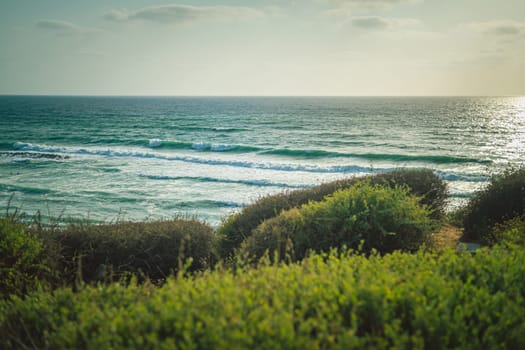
(22,258)
(337,300)
(502,200)
(510,232)
(416,301)
(152,249)
(421,182)
(364,215)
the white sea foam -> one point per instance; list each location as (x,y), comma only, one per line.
(221,148)
(201,146)
(153,143)
(212,147)
(22,146)
(308,168)
(312,168)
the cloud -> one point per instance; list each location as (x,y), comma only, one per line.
(64,27)
(374,22)
(500,28)
(184,13)
(368,4)
(380,23)
(58,26)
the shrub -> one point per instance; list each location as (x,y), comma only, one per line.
(151,249)
(22,258)
(371,216)
(421,182)
(511,231)
(501,200)
(346,301)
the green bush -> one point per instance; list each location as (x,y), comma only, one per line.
(511,231)
(364,215)
(22,258)
(422,182)
(150,249)
(397,301)
(502,200)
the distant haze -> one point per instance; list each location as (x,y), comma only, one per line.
(279,47)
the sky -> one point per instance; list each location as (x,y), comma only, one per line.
(265,47)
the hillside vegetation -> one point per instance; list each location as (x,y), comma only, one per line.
(423,183)
(360,263)
(336,301)
(363,216)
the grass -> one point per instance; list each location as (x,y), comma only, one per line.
(447,236)
(153,249)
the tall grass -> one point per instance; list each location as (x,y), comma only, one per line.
(151,249)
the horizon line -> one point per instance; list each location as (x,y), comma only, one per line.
(246,96)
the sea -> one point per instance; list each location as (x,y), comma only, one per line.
(104,159)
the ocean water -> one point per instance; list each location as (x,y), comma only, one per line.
(135,158)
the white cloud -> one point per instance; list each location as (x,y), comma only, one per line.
(376,23)
(501,28)
(58,26)
(182,13)
(372,2)
(368,4)
(64,27)
(371,22)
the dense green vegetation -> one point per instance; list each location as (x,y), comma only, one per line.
(346,301)
(33,256)
(511,231)
(161,284)
(421,182)
(364,215)
(23,262)
(502,200)
(152,250)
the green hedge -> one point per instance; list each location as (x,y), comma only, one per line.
(152,249)
(364,215)
(23,258)
(502,200)
(402,301)
(421,182)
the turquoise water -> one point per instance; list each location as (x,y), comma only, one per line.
(105,158)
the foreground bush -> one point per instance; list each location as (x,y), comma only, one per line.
(364,215)
(151,249)
(22,258)
(510,232)
(421,182)
(502,200)
(403,301)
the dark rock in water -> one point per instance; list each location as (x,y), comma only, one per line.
(34,155)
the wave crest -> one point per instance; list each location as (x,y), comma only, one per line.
(257,183)
(311,168)
(200,146)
